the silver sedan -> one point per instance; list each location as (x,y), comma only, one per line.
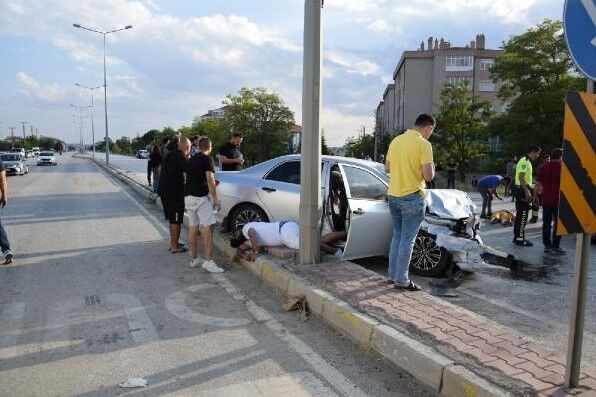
(270,191)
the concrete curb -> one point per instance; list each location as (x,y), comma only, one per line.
(422,362)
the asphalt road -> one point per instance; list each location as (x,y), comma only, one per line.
(94,298)
(531,298)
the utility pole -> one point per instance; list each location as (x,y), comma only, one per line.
(23,123)
(31,130)
(310,162)
(12,135)
(36,132)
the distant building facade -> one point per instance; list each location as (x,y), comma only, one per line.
(218,113)
(420,76)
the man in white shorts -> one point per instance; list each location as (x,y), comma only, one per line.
(200,201)
(254,235)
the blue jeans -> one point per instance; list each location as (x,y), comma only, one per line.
(4,243)
(407,213)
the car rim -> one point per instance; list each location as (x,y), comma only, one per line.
(426,254)
(245,217)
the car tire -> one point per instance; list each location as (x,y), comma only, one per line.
(428,259)
(245,213)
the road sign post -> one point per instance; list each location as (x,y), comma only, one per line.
(578,173)
(576,211)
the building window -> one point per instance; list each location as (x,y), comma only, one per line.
(494,144)
(459,63)
(486,86)
(459,80)
(486,64)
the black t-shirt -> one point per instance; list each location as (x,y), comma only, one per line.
(229,150)
(196,180)
(171,178)
(154,160)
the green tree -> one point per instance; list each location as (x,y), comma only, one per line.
(536,70)
(265,121)
(360,147)
(461,126)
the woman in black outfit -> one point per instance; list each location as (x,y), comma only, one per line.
(153,167)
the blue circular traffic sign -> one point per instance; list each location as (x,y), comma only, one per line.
(579,19)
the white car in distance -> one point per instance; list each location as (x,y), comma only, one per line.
(46,158)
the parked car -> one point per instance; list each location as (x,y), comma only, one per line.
(142,154)
(46,158)
(20,151)
(270,191)
(14,163)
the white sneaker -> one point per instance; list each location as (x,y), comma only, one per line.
(196,262)
(211,267)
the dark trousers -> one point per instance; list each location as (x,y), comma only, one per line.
(450,180)
(522,209)
(487,200)
(148,173)
(4,243)
(550,214)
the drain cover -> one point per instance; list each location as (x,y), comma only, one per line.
(92,300)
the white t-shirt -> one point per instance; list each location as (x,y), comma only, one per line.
(268,234)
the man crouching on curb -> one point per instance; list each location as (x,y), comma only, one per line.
(200,201)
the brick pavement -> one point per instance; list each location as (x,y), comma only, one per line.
(496,352)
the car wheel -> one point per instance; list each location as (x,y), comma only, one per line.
(246,213)
(428,259)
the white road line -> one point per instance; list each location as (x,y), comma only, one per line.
(318,363)
(10,323)
(58,323)
(140,325)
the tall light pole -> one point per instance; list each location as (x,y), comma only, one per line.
(23,123)
(80,108)
(310,162)
(92,124)
(105,86)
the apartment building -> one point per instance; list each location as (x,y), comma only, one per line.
(421,74)
(218,113)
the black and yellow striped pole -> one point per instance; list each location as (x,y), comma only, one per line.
(576,210)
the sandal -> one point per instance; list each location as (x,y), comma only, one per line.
(179,244)
(413,287)
(181,249)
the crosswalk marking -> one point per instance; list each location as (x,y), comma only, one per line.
(140,325)
(10,328)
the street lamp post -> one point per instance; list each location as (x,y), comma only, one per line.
(92,124)
(105,86)
(80,108)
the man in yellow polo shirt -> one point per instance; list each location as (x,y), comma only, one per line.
(409,163)
(523,191)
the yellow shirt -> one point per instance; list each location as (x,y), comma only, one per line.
(406,155)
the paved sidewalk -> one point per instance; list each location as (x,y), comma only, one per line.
(490,350)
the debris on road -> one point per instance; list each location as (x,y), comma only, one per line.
(134,382)
(297,303)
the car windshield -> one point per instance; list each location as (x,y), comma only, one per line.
(46,154)
(10,157)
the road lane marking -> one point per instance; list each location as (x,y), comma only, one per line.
(175,303)
(10,324)
(58,324)
(140,325)
(318,363)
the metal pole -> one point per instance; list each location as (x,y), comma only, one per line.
(105,100)
(577,308)
(23,123)
(310,164)
(12,135)
(92,125)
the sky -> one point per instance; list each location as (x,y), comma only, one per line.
(182,57)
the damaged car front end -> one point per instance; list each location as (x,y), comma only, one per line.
(448,235)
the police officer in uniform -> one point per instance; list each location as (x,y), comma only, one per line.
(524,192)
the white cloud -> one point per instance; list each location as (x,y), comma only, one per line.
(340,126)
(353,64)
(46,92)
